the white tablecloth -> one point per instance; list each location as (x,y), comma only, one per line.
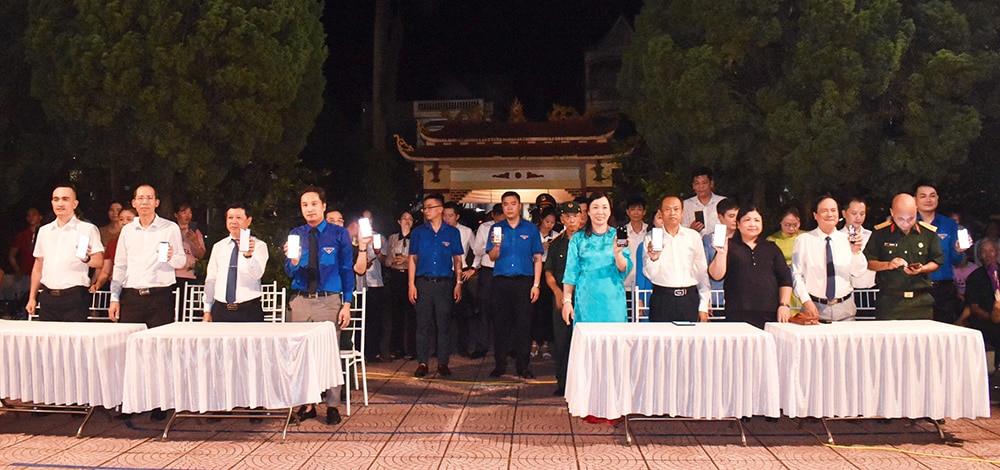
(220,366)
(57,363)
(892,369)
(708,370)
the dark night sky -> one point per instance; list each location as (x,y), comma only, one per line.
(532,50)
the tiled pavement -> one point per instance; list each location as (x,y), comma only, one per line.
(479,423)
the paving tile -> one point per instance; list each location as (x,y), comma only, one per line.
(542,450)
(353,446)
(322,462)
(80,459)
(610,450)
(479,446)
(272,461)
(542,420)
(18,454)
(400,462)
(416,445)
(671,449)
(191,461)
(487,418)
(141,460)
(431,418)
(462,463)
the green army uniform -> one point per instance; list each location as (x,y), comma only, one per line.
(903,296)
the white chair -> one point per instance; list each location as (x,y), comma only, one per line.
(189,304)
(640,310)
(272,302)
(354,357)
(100,302)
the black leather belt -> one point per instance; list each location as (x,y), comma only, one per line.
(316,295)
(150,290)
(677,291)
(236,306)
(831,302)
(435,279)
(62,292)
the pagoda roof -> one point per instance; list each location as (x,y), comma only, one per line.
(574,130)
(508,150)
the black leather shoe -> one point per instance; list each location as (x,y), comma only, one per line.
(303,415)
(332,416)
(421,371)
(157,415)
(497,373)
(526,374)
(444,371)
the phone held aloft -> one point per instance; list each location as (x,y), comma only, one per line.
(719,236)
(244,240)
(621,237)
(656,239)
(294,247)
(162,251)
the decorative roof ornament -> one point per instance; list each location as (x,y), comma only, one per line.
(516,112)
(474,114)
(563,113)
(402,145)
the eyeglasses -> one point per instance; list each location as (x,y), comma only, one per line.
(431,207)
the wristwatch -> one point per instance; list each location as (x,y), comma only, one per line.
(567,300)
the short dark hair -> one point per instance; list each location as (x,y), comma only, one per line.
(182,206)
(923,182)
(497,209)
(434,196)
(238,205)
(821,198)
(703,171)
(507,194)
(136,190)
(858,199)
(791,209)
(581,199)
(66,185)
(748,208)
(314,189)
(453,206)
(635,201)
(726,205)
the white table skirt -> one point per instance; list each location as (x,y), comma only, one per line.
(221,366)
(892,369)
(57,363)
(708,370)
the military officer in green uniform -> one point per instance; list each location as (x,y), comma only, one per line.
(902,251)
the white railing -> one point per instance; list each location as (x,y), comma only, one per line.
(638,303)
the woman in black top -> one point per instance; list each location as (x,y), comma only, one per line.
(758,282)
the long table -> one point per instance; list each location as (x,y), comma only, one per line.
(213,367)
(882,369)
(63,367)
(699,371)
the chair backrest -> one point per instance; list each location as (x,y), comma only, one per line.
(357,324)
(100,302)
(190,303)
(272,302)
(864,299)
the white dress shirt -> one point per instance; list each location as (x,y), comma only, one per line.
(634,239)
(467,237)
(56,245)
(479,246)
(373,274)
(682,263)
(866,280)
(248,272)
(693,204)
(809,264)
(136,265)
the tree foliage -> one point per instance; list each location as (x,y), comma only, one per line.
(784,98)
(208,99)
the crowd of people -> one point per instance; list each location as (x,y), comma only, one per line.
(515,286)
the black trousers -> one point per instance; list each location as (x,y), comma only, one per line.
(563,335)
(404,319)
(481,326)
(70,305)
(435,299)
(249,311)
(512,320)
(155,309)
(375,322)
(541,327)
(464,315)
(947,305)
(665,305)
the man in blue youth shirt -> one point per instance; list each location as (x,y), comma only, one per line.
(517,272)
(322,279)
(947,305)
(435,282)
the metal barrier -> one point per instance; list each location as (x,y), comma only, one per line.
(638,302)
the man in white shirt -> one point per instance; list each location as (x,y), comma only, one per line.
(636,229)
(58,271)
(141,282)
(854,216)
(482,325)
(465,309)
(678,271)
(699,210)
(232,280)
(823,263)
